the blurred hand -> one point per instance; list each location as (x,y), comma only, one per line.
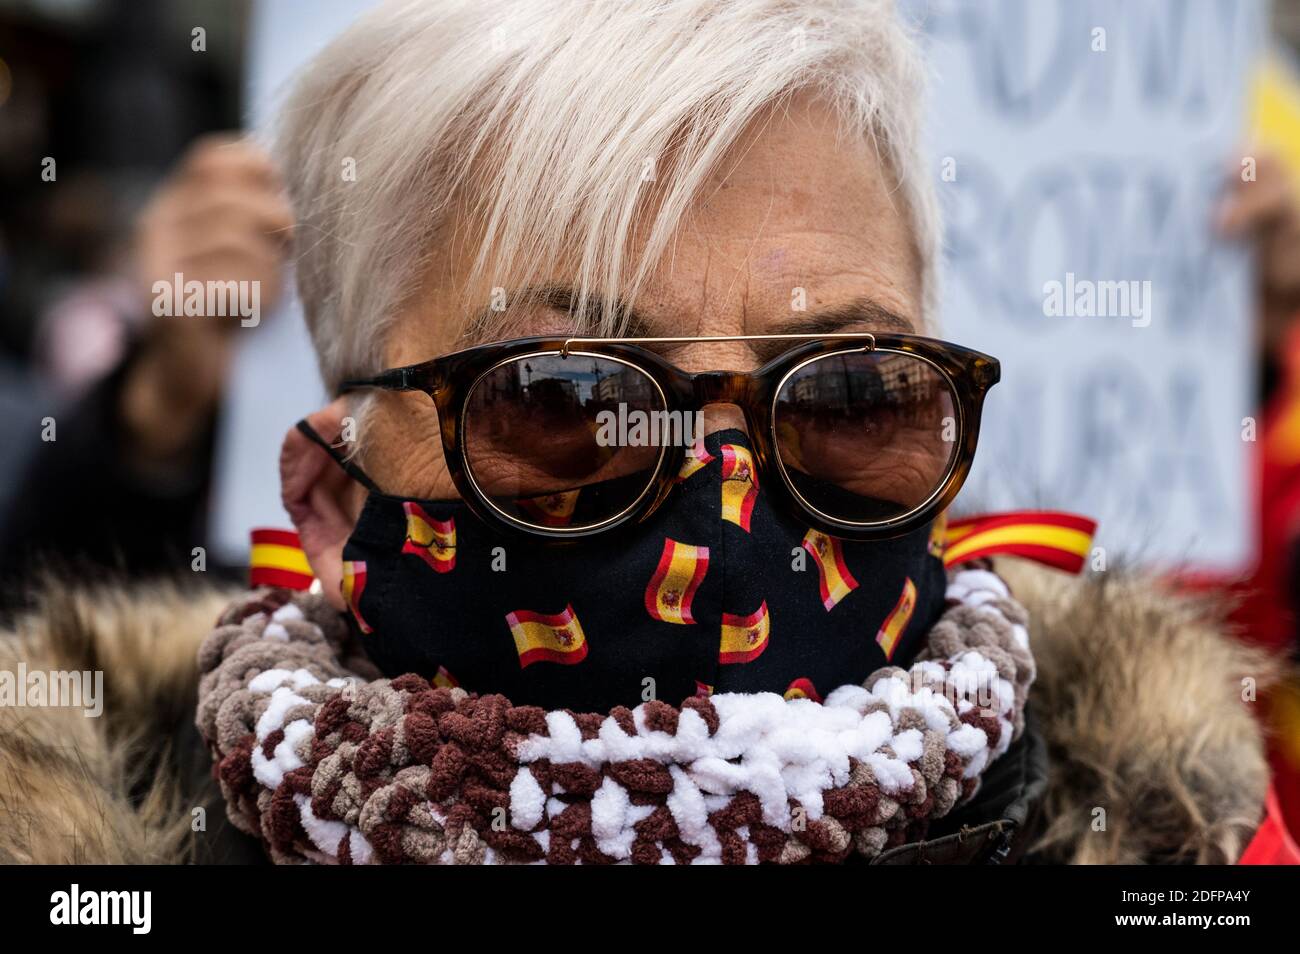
(1267,211)
(221,216)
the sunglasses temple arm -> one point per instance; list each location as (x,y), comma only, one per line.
(413,378)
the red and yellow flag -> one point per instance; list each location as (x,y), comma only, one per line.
(1062,540)
(696,459)
(443,679)
(551,510)
(745,637)
(939,535)
(892,628)
(739,485)
(353,585)
(680,571)
(433,541)
(802,688)
(702,690)
(276,559)
(541,637)
(836,580)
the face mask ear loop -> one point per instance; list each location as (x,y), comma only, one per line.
(349,468)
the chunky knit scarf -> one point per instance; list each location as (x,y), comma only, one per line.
(325,761)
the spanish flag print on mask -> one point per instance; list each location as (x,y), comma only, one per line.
(745,637)
(739,485)
(836,580)
(897,620)
(354,584)
(693,461)
(554,638)
(433,541)
(680,571)
(802,688)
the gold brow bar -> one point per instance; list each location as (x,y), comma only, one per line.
(866,337)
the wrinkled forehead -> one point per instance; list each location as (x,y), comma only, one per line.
(796,228)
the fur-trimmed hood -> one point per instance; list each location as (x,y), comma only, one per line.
(1146,701)
(1154,755)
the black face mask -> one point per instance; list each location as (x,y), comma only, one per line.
(715,592)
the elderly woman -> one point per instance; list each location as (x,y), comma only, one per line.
(627,526)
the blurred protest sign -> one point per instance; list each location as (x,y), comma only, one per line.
(1080,147)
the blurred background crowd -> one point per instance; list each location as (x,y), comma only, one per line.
(121,95)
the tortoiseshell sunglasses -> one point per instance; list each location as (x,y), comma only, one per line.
(863,436)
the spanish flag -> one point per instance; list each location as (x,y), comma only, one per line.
(836,580)
(802,688)
(679,574)
(697,458)
(939,535)
(1062,540)
(540,637)
(277,559)
(745,637)
(353,585)
(892,628)
(433,541)
(551,510)
(739,485)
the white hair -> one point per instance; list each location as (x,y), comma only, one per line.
(538,119)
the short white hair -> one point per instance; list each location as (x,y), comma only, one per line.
(542,115)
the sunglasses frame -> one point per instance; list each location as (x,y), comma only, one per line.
(450,380)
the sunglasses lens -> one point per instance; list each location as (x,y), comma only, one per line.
(542,440)
(866,437)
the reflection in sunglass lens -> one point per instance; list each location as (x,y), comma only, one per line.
(535,446)
(866,437)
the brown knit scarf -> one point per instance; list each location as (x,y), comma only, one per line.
(325,760)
